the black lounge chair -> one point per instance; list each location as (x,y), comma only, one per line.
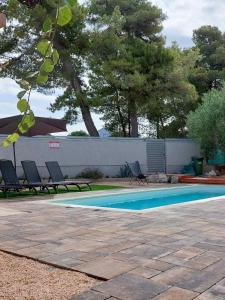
(11,180)
(136,173)
(33,177)
(56,176)
(9,176)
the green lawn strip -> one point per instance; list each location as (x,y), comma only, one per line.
(95,187)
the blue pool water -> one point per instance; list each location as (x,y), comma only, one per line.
(149,199)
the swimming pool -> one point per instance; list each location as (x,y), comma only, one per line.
(143,200)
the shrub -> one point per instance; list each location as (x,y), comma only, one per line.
(125,171)
(91,173)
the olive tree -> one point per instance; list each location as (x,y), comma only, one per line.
(207,123)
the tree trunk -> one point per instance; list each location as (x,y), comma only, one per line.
(84,107)
(123,124)
(133,118)
(157,130)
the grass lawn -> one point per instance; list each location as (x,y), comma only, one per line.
(95,187)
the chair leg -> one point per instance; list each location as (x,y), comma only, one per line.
(66,187)
(5,193)
(89,186)
(78,187)
(45,187)
(55,188)
(34,189)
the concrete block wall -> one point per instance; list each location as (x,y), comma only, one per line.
(75,154)
(179,153)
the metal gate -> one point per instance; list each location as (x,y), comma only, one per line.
(156,155)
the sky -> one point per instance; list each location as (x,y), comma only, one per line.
(183,16)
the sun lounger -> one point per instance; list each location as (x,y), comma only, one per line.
(56,176)
(11,180)
(33,177)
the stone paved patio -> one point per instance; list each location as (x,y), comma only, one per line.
(175,253)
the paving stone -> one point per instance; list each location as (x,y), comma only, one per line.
(174,275)
(217,292)
(89,295)
(62,260)
(176,293)
(210,247)
(174,260)
(147,251)
(117,247)
(131,287)
(204,279)
(202,261)
(145,272)
(159,265)
(106,267)
(188,252)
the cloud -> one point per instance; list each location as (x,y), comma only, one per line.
(39,103)
(183,16)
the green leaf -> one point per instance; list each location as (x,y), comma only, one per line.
(24,84)
(47,25)
(44,47)
(42,79)
(55,56)
(29,120)
(21,94)
(72,2)
(23,105)
(64,16)
(47,66)
(23,127)
(12,138)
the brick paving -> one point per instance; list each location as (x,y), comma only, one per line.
(168,254)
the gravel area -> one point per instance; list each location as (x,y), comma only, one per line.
(25,279)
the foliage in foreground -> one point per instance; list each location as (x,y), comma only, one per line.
(207,123)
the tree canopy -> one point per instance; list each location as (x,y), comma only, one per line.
(207,123)
(210,71)
(111,58)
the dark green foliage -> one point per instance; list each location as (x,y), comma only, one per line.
(91,173)
(125,171)
(207,125)
(210,71)
(79,133)
(128,60)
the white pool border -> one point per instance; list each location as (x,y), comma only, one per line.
(125,191)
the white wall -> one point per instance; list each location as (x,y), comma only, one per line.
(179,153)
(107,154)
(76,154)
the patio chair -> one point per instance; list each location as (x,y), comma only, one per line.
(11,181)
(33,177)
(136,173)
(56,175)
